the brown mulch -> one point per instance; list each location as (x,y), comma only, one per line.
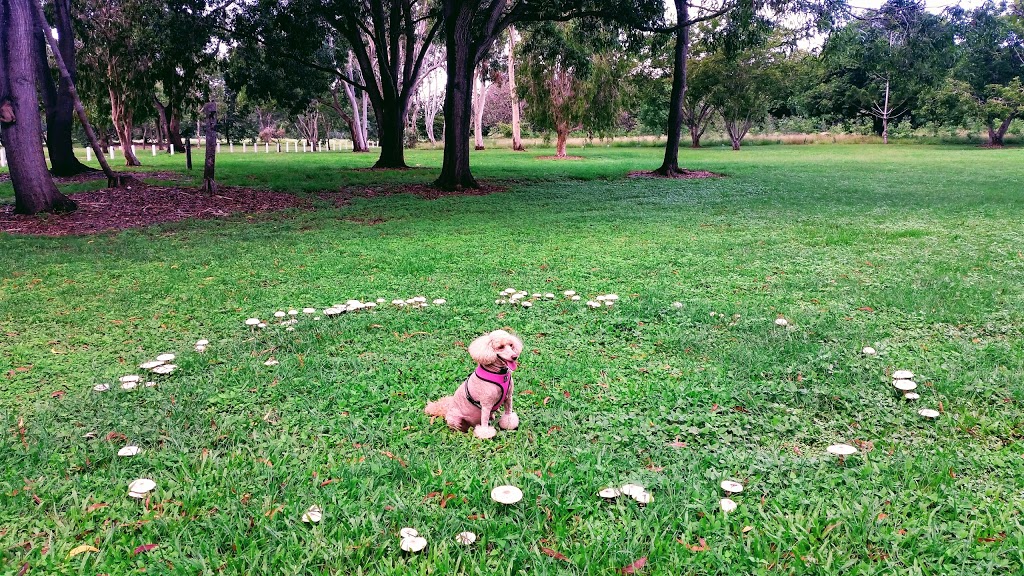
(560,157)
(142,205)
(98,175)
(684,175)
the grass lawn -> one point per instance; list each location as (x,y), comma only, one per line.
(913,250)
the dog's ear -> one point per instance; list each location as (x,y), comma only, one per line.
(517,344)
(481,352)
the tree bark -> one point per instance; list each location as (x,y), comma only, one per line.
(57,99)
(561,135)
(461,59)
(174,127)
(480,90)
(517,140)
(20,131)
(391,133)
(670,165)
(210,112)
(121,116)
(996,135)
(411,131)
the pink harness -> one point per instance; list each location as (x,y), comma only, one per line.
(502,380)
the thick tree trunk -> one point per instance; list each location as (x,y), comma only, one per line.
(57,100)
(695,135)
(561,135)
(209,183)
(458,98)
(517,140)
(20,130)
(670,165)
(391,132)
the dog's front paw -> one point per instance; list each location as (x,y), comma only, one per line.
(485,432)
(509,421)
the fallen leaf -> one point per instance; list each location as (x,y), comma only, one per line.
(565,393)
(328,481)
(741,409)
(829,528)
(271,513)
(997,538)
(747,529)
(866,309)
(111,436)
(393,457)
(677,444)
(24,569)
(445,499)
(144,548)
(546,400)
(82,550)
(701,546)
(882,515)
(431,495)
(96,506)
(554,429)
(554,554)
(475,517)
(636,565)
(57,394)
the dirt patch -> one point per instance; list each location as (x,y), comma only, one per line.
(683,175)
(143,205)
(98,175)
(559,157)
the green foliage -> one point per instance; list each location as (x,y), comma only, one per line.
(909,249)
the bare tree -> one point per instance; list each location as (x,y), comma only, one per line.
(308,124)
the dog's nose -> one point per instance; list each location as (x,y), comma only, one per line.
(515,357)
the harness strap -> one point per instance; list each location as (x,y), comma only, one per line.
(486,375)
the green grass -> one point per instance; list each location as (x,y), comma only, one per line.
(913,250)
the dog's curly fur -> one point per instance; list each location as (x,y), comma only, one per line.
(496,352)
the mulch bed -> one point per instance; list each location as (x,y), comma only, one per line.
(140,205)
(684,175)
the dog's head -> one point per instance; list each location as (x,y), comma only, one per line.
(496,350)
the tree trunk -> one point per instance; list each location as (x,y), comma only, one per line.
(480,91)
(455,172)
(670,165)
(57,100)
(412,135)
(122,119)
(161,124)
(517,140)
(174,128)
(20,130)
(562,134)
(996,135)
(391,132)
(695,135)
(210,112)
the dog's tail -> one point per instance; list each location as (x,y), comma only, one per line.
(439,408)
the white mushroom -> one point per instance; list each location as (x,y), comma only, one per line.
(593,304)
(309,310)
(569,292)
(526,303)
(381,300)
(279,314)
(252,322)
(271,362)
(101,387)
(293,312)
(609,493)
(150,384)
(868,351)
(903,375)
(549,296)
(261,325)
(781,322)
(632,490)
(465,538)
(165,357)
(203,342)
(575,298)
(506,494)
(608,303)
(677,304)
(413,544)
(904,385)
(841,450)
(164,369)
(600,298)
(151,364)
(727,505)
(928,413)
(139,488)
(408,532)
(129,378)
(129,385)
(731,487)
(611,297)
(643,498)
(129,451)
(313,515)
(911,396)
(440,301)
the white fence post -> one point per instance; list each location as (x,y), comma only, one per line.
(303,145)
(111,149)
(153,147)
(3,157)
(266,147)
(172,149)
(243,147)
(231,147)
(218,147)
(88,154)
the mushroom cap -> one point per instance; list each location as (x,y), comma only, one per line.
(313,515)
(129,385)
(911,396)
(781,322)
(506,494)
(129,451)
(279,314)
(465,538)
(928,413)
(141,486)
(309,310)
(549,295)
(152,364)
(408,532)
(575,298)
(413,544)
(101,388)
(150,384)
(841,449)
(868,351)
(293,312)
(611,297)
(632,490)
(440,301)
(164,369)
(165,357)
(609,493)
(569,292)
(202,342)
(904,385)
(677,304)
(902,375)
(527,303)
(731,486)
(261,325)
(271,362)
(643,498)
(129,378)
(252,322)
(727,505)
